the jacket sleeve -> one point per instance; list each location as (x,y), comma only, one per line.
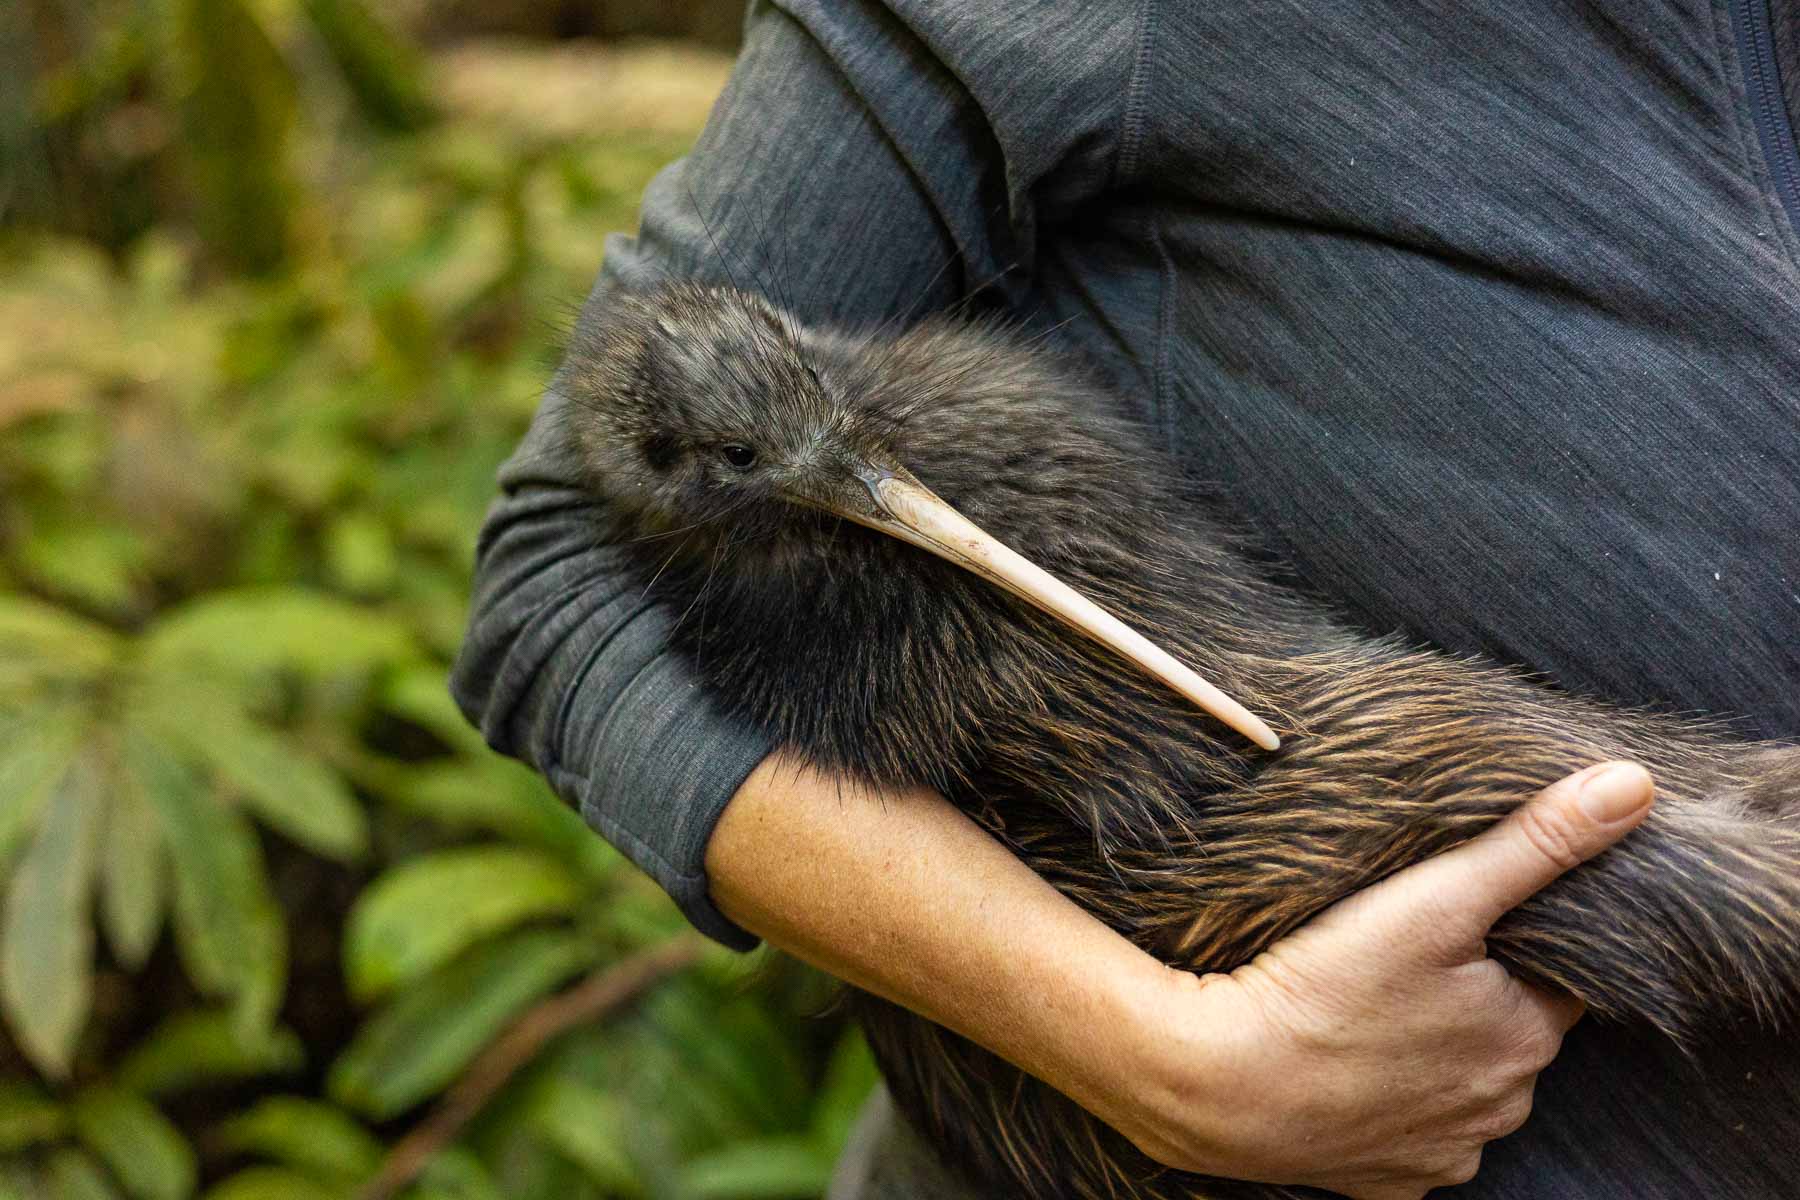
(797,188)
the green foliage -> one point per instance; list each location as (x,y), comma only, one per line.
(144,1152)
(264,894)
(28,1118)
(589,1127)
(213,92)
(48,940)
(402,926)
(271,1183)
(76,1176)
(201,1047)
(381,69)
(421,1041)
(235,97)
(316,1139)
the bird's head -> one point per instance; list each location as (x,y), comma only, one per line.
(708,419)
(708,410)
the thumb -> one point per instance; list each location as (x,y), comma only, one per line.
(1561,827)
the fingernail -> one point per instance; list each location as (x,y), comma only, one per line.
(1613,793)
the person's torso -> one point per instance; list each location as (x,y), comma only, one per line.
(1489,322)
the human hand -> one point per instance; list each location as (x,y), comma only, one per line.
(1375,1051)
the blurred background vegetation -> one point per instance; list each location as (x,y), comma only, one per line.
(279,283)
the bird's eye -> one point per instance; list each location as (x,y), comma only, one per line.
(740,458)
(813,375)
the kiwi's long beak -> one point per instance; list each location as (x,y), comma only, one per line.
(906,509)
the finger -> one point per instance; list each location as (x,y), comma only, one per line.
(1538,1009)
(1559,1009)
(1562,826)
(1532,1035)
(1389,1191)
(1526,1023)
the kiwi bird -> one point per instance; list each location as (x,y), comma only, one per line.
(937,557)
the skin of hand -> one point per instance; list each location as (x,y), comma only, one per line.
(1373,1052)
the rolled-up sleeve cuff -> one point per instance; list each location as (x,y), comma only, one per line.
(661,763)
(567,666)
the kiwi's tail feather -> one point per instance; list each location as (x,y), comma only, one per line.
(1691,921)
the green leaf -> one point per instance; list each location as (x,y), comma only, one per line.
(75,1176)
(28,1118)
(133,876)
(426,911)
(638,913)
(228,926)
(271,1183)
(295,794)
(312,1137)
(206,1047)
(144,1151)
(265,958)
(423,1039)
(96,564)
(263,629)
(775,1168)
(213,909)
(47,634)
(35,752)
(359,551)
(735,1051)
(849,1079)
(507,798)
(456,1173)
(46,957)
(588,1126)
(422,695)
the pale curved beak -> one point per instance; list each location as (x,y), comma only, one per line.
(908,510)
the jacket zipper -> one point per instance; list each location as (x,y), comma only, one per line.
(1762,71)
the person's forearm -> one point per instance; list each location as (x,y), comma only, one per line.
(902,895)
(1372,1053)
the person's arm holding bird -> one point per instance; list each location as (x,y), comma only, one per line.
(565,666)
(1373,1053)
